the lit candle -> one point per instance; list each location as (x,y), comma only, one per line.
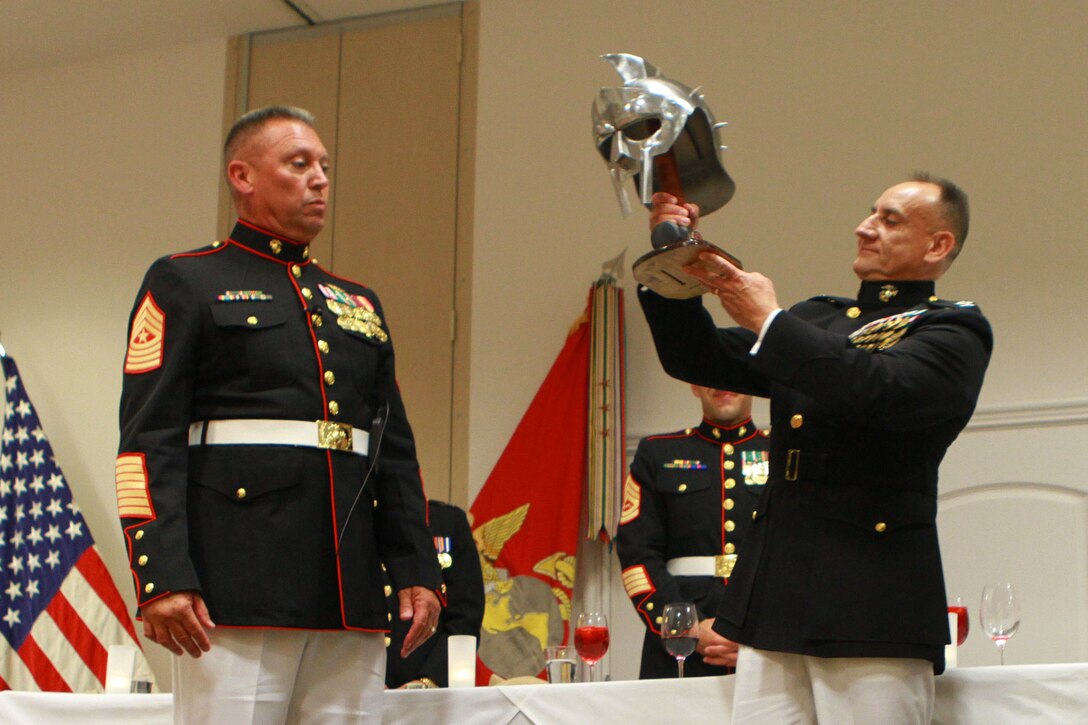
(462,660)
(953,633)
(120,666)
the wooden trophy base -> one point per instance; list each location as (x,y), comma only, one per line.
(662,269)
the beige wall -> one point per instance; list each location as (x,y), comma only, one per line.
(114,162)
(111,164)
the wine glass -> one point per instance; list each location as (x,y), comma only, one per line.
(963,624)
(591,639)
(680,631)
(1000,614)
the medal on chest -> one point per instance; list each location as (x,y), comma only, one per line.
(353,312)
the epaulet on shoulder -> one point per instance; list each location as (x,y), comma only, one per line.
(674,434)
(950,305)
(199,251)
(840,301)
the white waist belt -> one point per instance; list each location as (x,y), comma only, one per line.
(263,432)
(721,565)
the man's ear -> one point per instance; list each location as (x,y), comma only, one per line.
(240,177)
(941,246)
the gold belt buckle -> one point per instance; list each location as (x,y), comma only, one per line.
(723,565)
(336,436)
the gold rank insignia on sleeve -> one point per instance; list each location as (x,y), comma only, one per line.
(883,333)
(353,312)
(145,343)
(636,581)
(632,500)
(130,477)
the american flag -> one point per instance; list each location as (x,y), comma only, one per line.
(59,608)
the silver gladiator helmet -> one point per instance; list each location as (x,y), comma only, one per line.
(649,116)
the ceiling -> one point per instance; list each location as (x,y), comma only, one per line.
(36,33)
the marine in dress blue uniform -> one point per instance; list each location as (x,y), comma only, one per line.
(266,467)
(687,510)
(455,551)
(867,394)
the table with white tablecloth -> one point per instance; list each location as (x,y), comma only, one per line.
(1025,695)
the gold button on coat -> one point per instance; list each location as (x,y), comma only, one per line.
(729,525)
(716,433)
(307,293)
(334,407)
(252,320)
(797,421)
(240,494)
(881,527)
(728,448)
(658,620)
(149,587)
(275,245)
(728,504)
(730,482)
(729,465)
(682,487)
(853,312)
(649,606)
(139,535)
(142,561)
(318,320)
(730,548)
(330,377)
(296,270)
(323,346)
(754,514)
(388,590)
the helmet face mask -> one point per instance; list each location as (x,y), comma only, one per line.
(651,116)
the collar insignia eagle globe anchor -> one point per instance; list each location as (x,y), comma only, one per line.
(662,134)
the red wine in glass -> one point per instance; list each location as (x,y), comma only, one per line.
(591,639)
(591,643)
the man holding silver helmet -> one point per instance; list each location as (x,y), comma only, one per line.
(840,611)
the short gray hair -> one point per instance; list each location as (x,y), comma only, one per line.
(252,121)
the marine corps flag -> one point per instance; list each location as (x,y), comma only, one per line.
(526,517)
(59,608)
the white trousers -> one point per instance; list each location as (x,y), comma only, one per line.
(273,677)
(788,689)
